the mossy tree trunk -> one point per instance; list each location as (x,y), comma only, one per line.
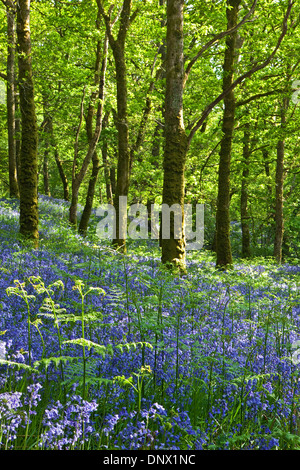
(224,255)
(173,248)
(11,109)
(29,138)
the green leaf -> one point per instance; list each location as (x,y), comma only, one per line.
(85,343)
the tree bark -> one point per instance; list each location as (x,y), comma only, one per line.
(17,131)
(224,255)
(265,155)
(123,170)
(28,154)
(46,171)
(99,80)
(246,251)
(87,210)
(107,169)
(62,175)
(11,109)
(279,179)
(173,248)
(75,176)
(78,177)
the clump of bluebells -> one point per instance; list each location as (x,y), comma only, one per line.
(150,428)
(69,425)
(223,368)
(16,411)
(11,417)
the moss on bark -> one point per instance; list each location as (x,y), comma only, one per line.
(173,249)
(28,154)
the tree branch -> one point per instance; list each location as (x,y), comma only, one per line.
(77,136)
(259,95)
(124,21)
(242,77)
(216,38)
(108,25)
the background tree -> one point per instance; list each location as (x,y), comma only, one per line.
(11,97)
(173,247)
(100,70)
(224,255)
(28,155)
(118,47)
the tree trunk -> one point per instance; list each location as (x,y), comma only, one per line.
(46,171)
(122,185)
(99,80)
(173,247)
(62,175)
(78,177)
(50,143)
(17,132)
(93,139)
(246,251)
(86,214)
(279,178)
(75,179)
(112,177)
(28,155)
(11,118)
(47,137)
(265,155)
(224,255)
(107,169)
(123,173)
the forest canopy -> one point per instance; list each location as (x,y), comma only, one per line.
(227,136)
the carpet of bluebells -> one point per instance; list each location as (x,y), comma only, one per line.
(104,351)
